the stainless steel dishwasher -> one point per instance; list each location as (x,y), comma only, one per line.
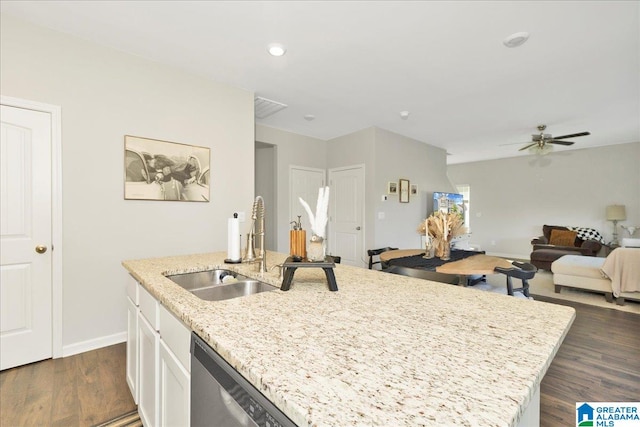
(221,397)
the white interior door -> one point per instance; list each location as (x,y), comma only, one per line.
(25,237)
(305,183)
(346,212)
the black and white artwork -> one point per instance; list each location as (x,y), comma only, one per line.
(392,188)
(163,170)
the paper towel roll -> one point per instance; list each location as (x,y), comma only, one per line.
(233,239)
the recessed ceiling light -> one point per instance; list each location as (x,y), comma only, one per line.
(404,115)
(516,39)
(276,49)
(309,117)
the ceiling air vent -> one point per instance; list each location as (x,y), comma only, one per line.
(265,107)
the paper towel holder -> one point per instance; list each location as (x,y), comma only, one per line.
(234,261)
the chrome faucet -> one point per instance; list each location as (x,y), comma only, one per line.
(257,214)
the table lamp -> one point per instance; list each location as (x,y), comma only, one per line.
(616,213)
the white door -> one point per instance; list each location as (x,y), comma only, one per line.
(346,214)
(25,237)
(305,183)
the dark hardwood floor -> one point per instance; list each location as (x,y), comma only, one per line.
(598,361)
(80,390)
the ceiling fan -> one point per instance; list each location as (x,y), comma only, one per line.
(541,139)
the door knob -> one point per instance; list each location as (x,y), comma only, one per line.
(358,228)
(41,249)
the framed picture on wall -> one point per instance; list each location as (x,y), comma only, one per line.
(392,188)
(163,170)
(404,190)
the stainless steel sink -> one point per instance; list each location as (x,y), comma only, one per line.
(218,285)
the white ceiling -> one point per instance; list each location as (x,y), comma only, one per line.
(358,64)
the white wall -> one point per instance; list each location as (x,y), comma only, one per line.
(291,149)
(511,199)
(422,164)
(104,95)
(388,156)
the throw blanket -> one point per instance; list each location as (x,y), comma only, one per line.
(622,266)
(587,234)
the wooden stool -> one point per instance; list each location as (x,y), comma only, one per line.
(290,266)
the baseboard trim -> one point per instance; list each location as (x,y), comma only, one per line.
(94,344)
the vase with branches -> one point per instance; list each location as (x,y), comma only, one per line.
(442,228)
(317,245)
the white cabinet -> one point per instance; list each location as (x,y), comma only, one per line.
(132,348)
(149,353)
(158,361)
(132,336)
(174,390)
(148,359)
(175,366)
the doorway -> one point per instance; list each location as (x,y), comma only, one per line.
(266,186)
(30,230)
(304,183)
(346,214)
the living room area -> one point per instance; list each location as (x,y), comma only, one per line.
(513,200)
(510,200)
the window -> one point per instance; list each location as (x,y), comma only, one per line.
(465,190)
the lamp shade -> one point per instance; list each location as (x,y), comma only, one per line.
(616,213)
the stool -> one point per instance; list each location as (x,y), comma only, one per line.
(542,258)
(523,271)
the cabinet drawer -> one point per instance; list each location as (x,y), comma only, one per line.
(149,307)
(176,336)
(132,289)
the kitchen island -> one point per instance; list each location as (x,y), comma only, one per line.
(383,350)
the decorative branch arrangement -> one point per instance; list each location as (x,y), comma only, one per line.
(319,220)
(443,227)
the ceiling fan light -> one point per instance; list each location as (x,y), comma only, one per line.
(541,149)
(276,49)
(516,39)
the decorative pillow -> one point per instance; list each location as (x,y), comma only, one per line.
(563,237)
(588,234)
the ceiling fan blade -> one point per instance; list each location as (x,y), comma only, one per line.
(514,143)
(573,135)
(553,141)
(528,146)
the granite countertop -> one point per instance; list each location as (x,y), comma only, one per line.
(383,350)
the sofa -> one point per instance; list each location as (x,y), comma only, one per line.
(616,276)
(557,241)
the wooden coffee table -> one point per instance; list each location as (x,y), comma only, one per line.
(474,265)
(399,253)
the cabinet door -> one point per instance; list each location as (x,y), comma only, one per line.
(175,390)
(132,349)
(176,336)
(149,348)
